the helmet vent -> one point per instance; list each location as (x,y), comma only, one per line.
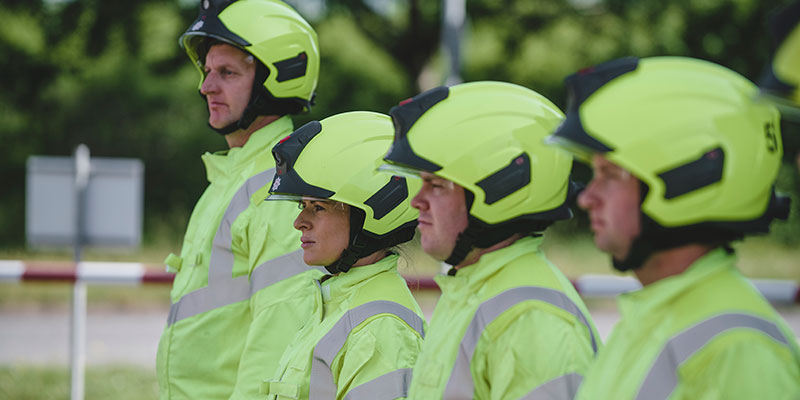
(694,175)
(509,179)
(291,68)
(388,197)
(289,148)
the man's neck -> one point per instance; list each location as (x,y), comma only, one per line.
(670,262)
(239,137)
(475,255)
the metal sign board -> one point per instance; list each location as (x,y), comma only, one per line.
(114,202)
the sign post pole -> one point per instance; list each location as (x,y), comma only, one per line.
(78,319)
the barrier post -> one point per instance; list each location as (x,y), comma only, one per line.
(78,318)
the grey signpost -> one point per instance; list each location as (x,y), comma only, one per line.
(81,201)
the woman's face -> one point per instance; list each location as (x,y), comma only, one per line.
(326,230)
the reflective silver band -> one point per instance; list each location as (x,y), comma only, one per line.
(209,298)
(321,384)
(223,289)
(278,269)
(220,264)
(387,386)
(662,378)
(562,388)
(460,384)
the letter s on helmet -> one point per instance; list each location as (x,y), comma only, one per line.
(275,34)
(694,133)
(337,159)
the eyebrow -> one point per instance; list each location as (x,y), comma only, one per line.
(433,178)
(224,65)
(325,202)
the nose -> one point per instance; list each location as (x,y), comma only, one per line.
(209,84)
(301,222)
(588,197)
(419,201)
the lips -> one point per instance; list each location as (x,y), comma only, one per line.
(597,224)
(215,103)
(306,243)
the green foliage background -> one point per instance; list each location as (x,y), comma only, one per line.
(111,74)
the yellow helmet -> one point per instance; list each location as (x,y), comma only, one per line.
(692,133)
(337,159)
(277,36)
(488,138)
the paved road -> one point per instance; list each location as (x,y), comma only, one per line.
(131,337)
(112,338)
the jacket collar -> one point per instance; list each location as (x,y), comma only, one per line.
(649,299)
(343,284)
(472,277)
(227,162)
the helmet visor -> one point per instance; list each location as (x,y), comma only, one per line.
(292,197)
(399,170)
(579,151)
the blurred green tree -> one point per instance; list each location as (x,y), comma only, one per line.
(111,74)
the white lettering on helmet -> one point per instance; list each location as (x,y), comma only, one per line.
(276,184)
(197,26)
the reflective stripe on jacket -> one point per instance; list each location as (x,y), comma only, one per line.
(510,326)
(703,334)
(367,333)
(237,255)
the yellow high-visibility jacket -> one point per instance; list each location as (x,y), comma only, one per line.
(703,334)
(364,340)
(507,327)
(241,290)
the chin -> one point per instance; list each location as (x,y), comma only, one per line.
(317,261)
(219,123)
(435,252)
(310,260)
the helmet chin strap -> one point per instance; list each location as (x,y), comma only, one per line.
(361,245)
(640,250)
(466,239)
(653,238)
(480,235)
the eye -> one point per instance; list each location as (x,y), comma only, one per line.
(318,207)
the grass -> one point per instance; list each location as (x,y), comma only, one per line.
(53,383)
(575,254)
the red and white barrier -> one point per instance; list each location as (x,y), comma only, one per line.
(776,291)
(88,271)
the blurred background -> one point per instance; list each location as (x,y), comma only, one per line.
(111,74)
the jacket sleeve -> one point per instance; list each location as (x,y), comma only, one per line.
(376,360)
(281,304)
(526,347)
(741,365)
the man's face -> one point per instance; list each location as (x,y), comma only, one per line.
(612,200)
(229,74)
(442,215)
